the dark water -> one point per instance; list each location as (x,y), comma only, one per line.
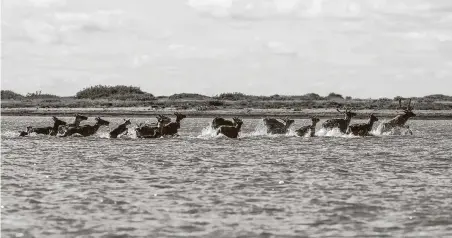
(202,185)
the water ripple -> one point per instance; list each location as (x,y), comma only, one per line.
(202,185)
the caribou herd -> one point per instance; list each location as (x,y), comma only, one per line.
(166,127)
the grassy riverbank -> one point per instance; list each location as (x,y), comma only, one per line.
(132,101)
(243,113)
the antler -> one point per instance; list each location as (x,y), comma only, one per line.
(285,119)
(340,110)
(409,105)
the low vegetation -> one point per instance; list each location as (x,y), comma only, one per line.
(119,92)
(129,96)
(10,95)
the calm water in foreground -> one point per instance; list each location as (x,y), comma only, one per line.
(202,185)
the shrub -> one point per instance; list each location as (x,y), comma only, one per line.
(398,98)
(233,96)
(216,103)
(194,96)
(132,97)
(334,96)
(39,95)
(101,91)
(8,94)
(439,97)
(313,96)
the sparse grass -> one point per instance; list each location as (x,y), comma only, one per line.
(221,104)
(127,96)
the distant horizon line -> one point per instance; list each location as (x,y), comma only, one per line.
(245,94)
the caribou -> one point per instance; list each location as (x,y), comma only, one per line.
(78,119)
(341,123)
(120,129)
(303,131)
(362,129)
(86,130)
(399,120)
(231,131)
(44,130)
(218,121)
(152,130)
(277,127)
(171,128)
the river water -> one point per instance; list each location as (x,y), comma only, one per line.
(200,184)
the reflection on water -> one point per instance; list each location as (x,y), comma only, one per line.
(200,184)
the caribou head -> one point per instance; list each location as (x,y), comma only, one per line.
(348,113)
(408,111)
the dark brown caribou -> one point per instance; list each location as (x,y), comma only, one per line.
(25,133)
(78,119)
(45,130)
(218,121)
(399,120)
(152,130)
(120,129)
(362,129)
(274,126)
(231,131)
(171,128)
(86,130)
(303,131)
(341,123)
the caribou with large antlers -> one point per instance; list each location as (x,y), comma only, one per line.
(341,123)
(399,120)
(275,126)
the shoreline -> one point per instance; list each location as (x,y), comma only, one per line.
(243,113)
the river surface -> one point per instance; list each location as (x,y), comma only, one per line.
(204,185)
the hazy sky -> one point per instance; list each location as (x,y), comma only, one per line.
(361,48)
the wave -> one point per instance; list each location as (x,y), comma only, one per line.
(261,131)
(335,132)
(394,131)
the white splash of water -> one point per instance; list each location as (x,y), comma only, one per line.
(131,133)
(10,134)
(104,135)
(208,132)
(335,132)
(394,131)
(260,130)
